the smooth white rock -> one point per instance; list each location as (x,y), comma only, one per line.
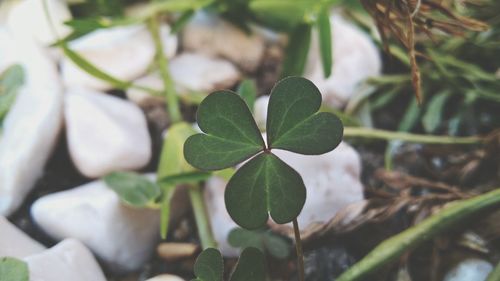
(123,237)
(260,111)
(68,260)
(332,181)
(166,277)
(215,37)
(355,58)
(123,52)
(220,221)
(15,243)
(8,52)
(105,133)
(30,128)
(142,98)
(28,19)
(191,72)
(468,270)
(198,72)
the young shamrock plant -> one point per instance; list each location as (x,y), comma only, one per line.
(251,266)
(265,184)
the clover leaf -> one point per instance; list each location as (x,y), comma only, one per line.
(209,266)
(265,185)
(231,133)
(262,239)
(251,266)
(293,121)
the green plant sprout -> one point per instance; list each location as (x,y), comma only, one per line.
(263,239)
(11,81)
(251,266)
(12,269)
(265,185)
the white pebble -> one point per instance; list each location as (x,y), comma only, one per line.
(470,270)
(15,243)
(105,133)
(68,260)
(123,52)
(123,237)
(215,37)
(30,129)
(355,58)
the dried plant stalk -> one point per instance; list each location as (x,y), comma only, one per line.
(403,19)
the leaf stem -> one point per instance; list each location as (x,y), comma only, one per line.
(200,215)
(355,132)
(390,249)
(495,274)
(298,247)
(169,88)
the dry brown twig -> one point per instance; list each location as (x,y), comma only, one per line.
(404,19)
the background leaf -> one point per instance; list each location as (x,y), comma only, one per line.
(262,239)
(12,269)
(325,41)
(265,184)
(248,92)
(293,122)
(173,169)
(279,14)
(231,133)
(433,115)
(209,266)
(11,81)
(133,189)
(88,67)
(251,266)
(296,51)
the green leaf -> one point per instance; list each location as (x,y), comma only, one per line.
(280,14)
(251,266)
(92,69)
(433,115)
(264,240)
(231,133)
(11,81)
(248,92)
(182,21)
(173,168)
(172,162)
(325,41)
(12,269)
(133,189)
(186,178)
(293,122)
(297,50)
(209,266)
(265,184)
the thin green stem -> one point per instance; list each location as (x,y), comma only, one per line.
(168,83)
(495,274)
(355,132)
(200,215)
(298,247)
(392,248)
